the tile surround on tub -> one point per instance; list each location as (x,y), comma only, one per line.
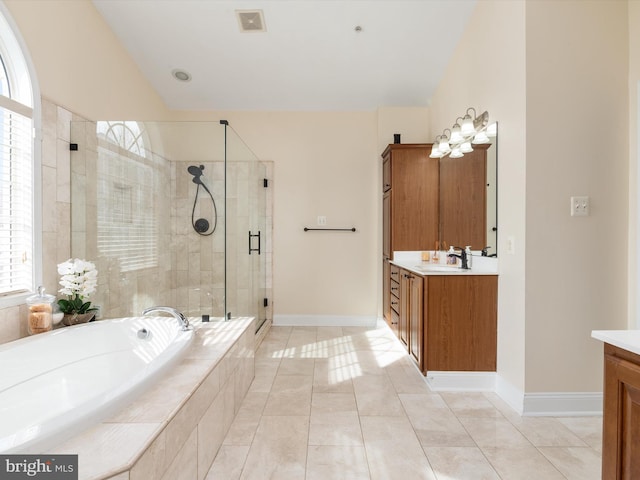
(174,430)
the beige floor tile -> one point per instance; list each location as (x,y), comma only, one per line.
(393,451)
(493,432)
(329,333)
(589,429)
(375,395)
(407,378)
(242,431)
(522,463)
(333,403)
(460,463)
(331,376)
(575,463)
(329,462)
(253,404)
(290,395)
(228,464)
(470,404)
(296,366)
(335,429)
(547,432)
(279,449)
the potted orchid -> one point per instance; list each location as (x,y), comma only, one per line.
(78,279)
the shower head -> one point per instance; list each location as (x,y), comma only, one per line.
(196,172)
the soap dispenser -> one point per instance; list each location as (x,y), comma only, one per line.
(467,250)
(451,260)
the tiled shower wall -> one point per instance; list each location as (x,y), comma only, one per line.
(198,260)
(191,261)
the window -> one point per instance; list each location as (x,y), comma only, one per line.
(16,169)
(127,222)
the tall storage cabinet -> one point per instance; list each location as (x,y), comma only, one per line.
(410,204)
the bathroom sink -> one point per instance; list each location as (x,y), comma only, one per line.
(437,268)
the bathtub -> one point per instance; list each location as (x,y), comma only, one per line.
(55,384)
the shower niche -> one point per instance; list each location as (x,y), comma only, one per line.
(165,210)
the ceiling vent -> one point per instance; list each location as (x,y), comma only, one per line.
(251,21)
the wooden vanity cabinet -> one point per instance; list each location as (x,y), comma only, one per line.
(449,322)
(621,420)
(409,206)
(410,216)
(460,323)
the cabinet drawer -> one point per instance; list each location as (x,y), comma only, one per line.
(394,318)
(394,289)
(395,273)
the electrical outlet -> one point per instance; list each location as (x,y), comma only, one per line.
(322,220)
(511,245)
(579,206)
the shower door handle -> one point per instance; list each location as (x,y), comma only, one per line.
(251,236)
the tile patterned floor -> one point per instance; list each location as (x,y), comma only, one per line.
(347,403)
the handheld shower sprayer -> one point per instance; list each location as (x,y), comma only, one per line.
(201,225)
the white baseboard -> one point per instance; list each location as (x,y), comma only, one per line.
(461,381)
(512,396)
(324,321)
(562,404)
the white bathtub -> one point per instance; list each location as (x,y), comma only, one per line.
(55,384)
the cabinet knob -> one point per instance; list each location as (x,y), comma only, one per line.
(394,303)
(394,288)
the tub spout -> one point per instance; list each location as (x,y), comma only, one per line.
(182,320)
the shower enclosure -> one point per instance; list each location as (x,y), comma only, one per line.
(171,213)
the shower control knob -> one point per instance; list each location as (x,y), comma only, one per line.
(201,225)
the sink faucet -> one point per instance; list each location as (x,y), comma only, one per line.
(182,320)
(463,257)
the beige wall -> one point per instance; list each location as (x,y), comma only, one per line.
(634,160)
(537,77)
(80,64)
(326,164)
(487,72)
(577,144)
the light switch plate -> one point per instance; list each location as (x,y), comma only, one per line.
(322,220)
(579,206)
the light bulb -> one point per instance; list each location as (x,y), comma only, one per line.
(443,146)
(467,128)
(456,136)
(481,137)
(456,153)
(466,147)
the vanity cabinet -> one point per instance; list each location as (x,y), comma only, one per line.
(410,202)
(621,420)
(409,206)
(448,322)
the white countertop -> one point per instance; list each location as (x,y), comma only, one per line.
(626,339)
(412,261)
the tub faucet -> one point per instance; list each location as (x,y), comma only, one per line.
(463,257)
(182,320)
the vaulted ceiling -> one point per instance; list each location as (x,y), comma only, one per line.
(313,54)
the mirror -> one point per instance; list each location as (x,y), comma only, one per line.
(468,199)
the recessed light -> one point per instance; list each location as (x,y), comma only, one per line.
(181,75)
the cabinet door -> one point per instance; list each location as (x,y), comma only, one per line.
(415,319)
(386,290)
(386,225)
(621,426)
(403,325)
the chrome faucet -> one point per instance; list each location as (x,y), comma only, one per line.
(463,257)
(182,320)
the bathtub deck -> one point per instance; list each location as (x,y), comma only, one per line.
(179,424)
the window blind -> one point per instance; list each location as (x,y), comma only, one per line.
(16,227)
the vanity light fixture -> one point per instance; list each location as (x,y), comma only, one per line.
(474,130)
(443,146)
(435,151)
